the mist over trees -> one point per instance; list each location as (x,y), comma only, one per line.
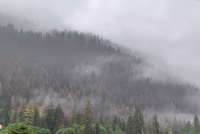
(69,68)
(68,82)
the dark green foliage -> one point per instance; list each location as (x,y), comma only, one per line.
(86,123)
(19,128)
(42,131)
(118,131)
(75,129)
(22,128)
(66,131)
(189,131)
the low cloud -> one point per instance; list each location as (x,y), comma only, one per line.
(165,30)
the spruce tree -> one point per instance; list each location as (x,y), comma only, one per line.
(6,112)
(196,123)
(188,125)
(138,122)
(122,124)
(97,128)
(37,121)
(59,118)
(155,126)
(88,115)
(50,120)
(130,125)
(28,114)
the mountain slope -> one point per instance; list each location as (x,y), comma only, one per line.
(70,68)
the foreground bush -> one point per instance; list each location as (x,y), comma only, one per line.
(18,128)
(75,129)
(22,128)
(42,131)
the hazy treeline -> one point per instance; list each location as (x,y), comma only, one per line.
(52,120)
(69,68)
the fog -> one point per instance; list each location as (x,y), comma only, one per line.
(166,31)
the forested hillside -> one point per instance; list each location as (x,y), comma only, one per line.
(64,70)
(70,68)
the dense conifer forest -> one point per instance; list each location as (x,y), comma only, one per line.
(67,82)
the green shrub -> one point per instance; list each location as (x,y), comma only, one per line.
(66,131)
(42,130)
(22,128)
(18,128)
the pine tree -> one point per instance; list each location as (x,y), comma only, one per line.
(50,120)
(130,125)
(6,114)
(88,119)
(196,123)
(122,124)
(14,117)
(175,126)
(155,126)
(36,118)
(78,119)
(54,118)
(20,115)
(28,114)
(188,125)
(97,128)
(138,124)
(59,118)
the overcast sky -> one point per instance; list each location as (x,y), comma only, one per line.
(167,30)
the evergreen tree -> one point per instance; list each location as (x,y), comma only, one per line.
(50,120)
(122,124)
(155,126)
(138,124)
(175,127)
(36,117)
(54,118)
(43,122)
(97,128)
(59,118)
(78,119)
(188,125)
(28,114)
(130,125)
(20,115)
(88,115)
(196,123)
(14,117)
(6,114)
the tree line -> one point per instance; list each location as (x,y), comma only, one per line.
(52,120)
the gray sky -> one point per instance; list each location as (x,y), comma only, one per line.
(167,30)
